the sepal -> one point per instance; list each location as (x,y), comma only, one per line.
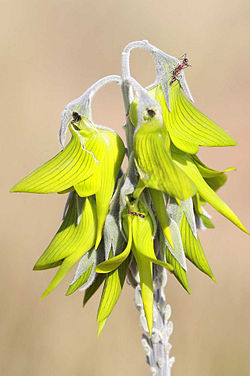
(154,161)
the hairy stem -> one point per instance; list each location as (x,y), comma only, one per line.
(157,346)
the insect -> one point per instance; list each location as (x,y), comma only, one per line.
(136,213)
(181,66)
(76,117)
(151,112)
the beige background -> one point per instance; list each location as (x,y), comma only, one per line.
(51,51)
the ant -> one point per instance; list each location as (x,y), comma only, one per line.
(136,213)
(181,66)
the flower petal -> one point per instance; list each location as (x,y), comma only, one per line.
(97,146)
(188,127)
(71,237)
(169,228)
(111,290)
(178,271)
(93,288)
(70,166)
(146,282)
(110,166)
(186,163)
(114,262)
(83,241)
(100,327)
(155,165)
(161,212)
(207,172)
(193,248)
(143,245)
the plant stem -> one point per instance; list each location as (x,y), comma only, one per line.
(157,346)
(82,104)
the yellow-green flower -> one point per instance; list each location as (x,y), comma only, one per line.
(165,143)
(75,237)
(89,164)
(190,164)
(153,156)
(139,230)
(166,168)
(187,126)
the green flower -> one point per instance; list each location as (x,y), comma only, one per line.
(187,126)
(139,230)
(72,165)
(192,167)
(153,158)
(165,143)
(75,237)
(164,167)
(89,165)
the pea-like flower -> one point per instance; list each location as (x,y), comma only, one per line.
(165,143)
(188,128)
(166,168)
(139,229)
(89,164)
(194,169)
(152,153)
(75,237)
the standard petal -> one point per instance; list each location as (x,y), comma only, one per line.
(95,144)
(188,127)
(89,186)
(143,245)
(109,169)
(156,167)
(70,166)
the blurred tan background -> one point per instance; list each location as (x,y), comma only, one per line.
(51,51)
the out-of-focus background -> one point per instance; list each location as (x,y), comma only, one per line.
(51,51)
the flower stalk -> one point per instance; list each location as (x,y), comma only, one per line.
(157,346)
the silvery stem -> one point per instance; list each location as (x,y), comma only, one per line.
(157,347)
(82,104)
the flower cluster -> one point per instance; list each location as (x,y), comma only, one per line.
(119,224)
